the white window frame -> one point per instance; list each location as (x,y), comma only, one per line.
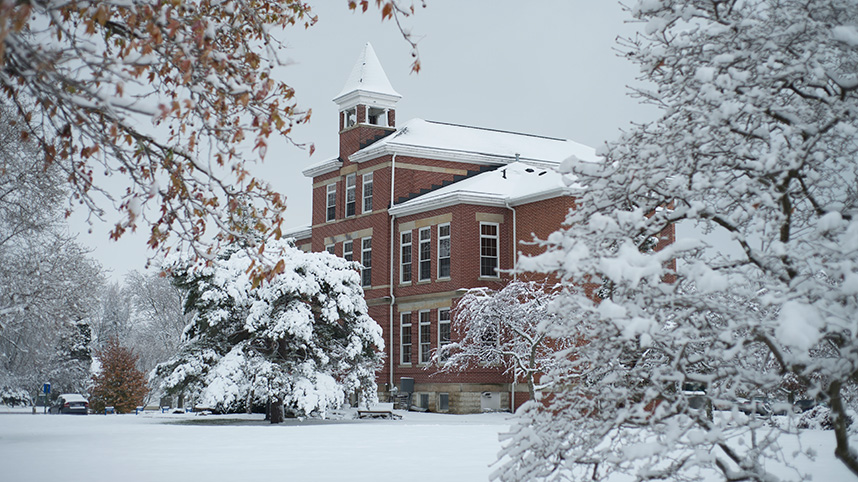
(441,240)
(331,202)
(446,319)
(424,347)
(420,254)
(348,250)
(366,262)
(351,195)
(405,327)
(367,200)
(406,248)
(331,248)
(496,256)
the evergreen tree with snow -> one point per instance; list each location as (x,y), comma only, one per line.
(118,383)
(302,339)
(756,148)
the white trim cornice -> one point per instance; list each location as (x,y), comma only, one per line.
(539,196)
(323,168)
(434,153)
(451,199)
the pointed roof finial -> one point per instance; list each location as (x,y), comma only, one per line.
(368,80)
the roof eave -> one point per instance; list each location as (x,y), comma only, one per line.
(538,196)
(353,96)
(324,168)
(302,232)
(376,151)
(418,205)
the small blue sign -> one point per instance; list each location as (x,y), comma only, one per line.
(46,388)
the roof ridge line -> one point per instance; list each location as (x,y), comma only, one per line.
(496,130)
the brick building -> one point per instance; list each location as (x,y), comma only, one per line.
(431,209)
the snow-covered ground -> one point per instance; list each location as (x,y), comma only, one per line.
(165,447)
(185,448)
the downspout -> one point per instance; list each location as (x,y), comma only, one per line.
(514,276)
(392,296)
(514,240)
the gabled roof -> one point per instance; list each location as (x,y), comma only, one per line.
(475,145)
(368,77)
(510,185)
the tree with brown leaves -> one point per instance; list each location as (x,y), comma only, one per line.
(162,95)
(119,384)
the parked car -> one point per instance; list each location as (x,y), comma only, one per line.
(804,405)
(758,405)
(70,403)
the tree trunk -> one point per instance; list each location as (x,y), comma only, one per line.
(276,410)
(531,370)
(841,425)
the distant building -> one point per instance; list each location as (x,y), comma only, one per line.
(462,199)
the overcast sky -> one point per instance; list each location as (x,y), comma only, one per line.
(548,68)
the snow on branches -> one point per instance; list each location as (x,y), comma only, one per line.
(510,328)
(756,149)
(303,339)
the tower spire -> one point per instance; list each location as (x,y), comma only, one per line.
(368,77)
(367,98)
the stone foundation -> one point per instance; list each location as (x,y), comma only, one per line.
(462,397)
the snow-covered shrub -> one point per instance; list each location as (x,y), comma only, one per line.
(819,418)
(15,397)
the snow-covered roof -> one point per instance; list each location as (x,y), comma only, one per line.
(458,143)
(368,77)
(511,185)
(298,232)
(322,167)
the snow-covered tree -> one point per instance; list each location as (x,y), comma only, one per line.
(176,99)
(113,319)
(118,382)
(301,339)
(508,328)
(48,285)
(756,148)
(158,317)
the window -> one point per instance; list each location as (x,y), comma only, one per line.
(330,248)
(331,202)
(443,329)
(347,250)
(444,251)
(405,256)
(425,337)
(367,193)
(405,338)
(366,261)
(350,194)
(443,401)
(488,249)
(425,254)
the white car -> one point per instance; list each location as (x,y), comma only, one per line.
(70,403)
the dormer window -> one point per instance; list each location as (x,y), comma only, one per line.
(377,116)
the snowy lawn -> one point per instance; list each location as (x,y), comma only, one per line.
(149,447)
